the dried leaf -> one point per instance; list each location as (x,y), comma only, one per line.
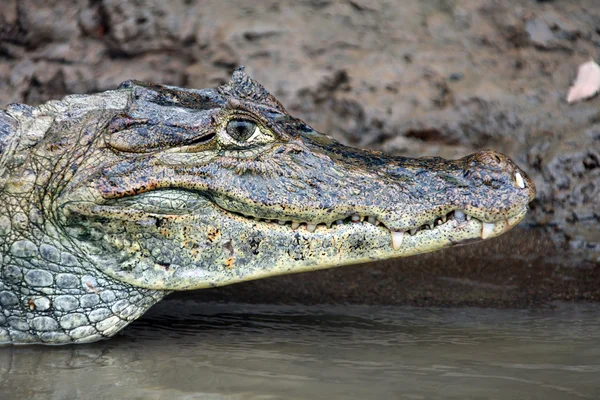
(587,83)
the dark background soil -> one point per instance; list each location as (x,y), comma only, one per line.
(411,77)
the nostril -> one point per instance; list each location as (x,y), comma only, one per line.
(484,164)
(491,158)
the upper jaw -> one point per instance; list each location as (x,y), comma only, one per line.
(391,208)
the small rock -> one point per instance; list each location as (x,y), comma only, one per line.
(455,76)
(540,34)
(587,83)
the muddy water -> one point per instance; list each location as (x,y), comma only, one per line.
(188,350)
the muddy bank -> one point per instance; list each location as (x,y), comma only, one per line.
(428,78)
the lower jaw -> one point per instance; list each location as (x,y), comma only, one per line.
(452,233)
(335,248)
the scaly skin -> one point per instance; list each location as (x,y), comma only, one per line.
(108,202)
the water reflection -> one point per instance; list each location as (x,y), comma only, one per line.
(188,350)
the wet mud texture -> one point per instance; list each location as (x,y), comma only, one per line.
(425,78)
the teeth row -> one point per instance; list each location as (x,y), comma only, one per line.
(311,227)
(397,236)
(486,229)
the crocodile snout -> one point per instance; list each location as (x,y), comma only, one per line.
(495,169)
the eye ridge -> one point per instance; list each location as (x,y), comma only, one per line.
(240,129)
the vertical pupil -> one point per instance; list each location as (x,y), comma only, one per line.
(240,129)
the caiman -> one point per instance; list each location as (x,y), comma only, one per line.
(111,201)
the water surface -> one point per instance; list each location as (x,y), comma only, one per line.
(183,349)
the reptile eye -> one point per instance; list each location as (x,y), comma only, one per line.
(241,129)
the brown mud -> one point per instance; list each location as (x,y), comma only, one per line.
(445,77)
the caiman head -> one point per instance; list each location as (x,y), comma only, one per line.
(185,189)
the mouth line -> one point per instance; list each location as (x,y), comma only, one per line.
(459,217)
(455,219)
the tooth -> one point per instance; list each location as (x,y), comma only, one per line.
(311,227)
(439,222)
(459,215)
(355,218)
(444,219)
(520,181)
(468,217)
(339,222)
(281,222)
(295,225)
(512,220)
(328,224)
(397,240)
(371,220)
(377,222)
(486,229)
(413,231)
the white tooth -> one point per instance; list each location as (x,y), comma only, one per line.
(444,218)
(377,222)
(281,222)
(486,229)
(512,220)
(311,227)
(413,231)
(468,217)
(339,222)
(397,240)
(295,225)
(459,215)
(520,181)
(439,222)
(328,224)
(355,218)
(371,220)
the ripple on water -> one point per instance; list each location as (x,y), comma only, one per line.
(185,349)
